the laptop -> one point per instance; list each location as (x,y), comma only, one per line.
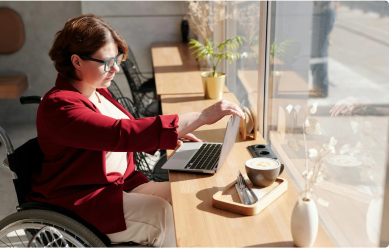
(205,157)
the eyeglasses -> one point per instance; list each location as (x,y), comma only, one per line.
(109,63)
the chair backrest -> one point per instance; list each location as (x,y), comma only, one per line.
(135,82)
(122,100)
(24,161)
(133,79)
(143,166)
(12,31)
(140,159)
(129,106)
(131,58)
(115,91)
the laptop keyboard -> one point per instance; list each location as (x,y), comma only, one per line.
(206,158)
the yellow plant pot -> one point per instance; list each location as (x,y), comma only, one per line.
(213,86)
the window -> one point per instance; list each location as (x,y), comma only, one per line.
(328,81)
(325,80)
(242,75)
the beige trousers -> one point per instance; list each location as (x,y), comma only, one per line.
(149,216)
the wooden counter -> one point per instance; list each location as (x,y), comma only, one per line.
(12,86)
(176,69)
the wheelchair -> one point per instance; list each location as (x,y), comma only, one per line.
(16,230)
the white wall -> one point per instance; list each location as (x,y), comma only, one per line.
(142,23)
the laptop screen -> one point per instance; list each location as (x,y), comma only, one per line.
(229,137)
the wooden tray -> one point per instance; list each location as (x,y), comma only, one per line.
(229,200)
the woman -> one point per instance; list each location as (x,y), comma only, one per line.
(87,139)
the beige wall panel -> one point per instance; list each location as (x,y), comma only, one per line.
(141,32)
(135,8)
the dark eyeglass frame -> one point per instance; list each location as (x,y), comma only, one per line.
(105,62)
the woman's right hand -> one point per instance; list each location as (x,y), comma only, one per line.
(346,106)
(191,121)
(220,109)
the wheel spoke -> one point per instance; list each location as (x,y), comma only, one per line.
(4,243)
(41,241)
(12,234)
(49,242)
(19,238)
(54,238)
(9,241)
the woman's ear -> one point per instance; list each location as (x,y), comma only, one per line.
(76,61)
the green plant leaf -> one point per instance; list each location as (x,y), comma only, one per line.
(224,49)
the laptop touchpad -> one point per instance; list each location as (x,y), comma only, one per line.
(187,150)
(186,154)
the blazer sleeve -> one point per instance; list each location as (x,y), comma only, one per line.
(71,123)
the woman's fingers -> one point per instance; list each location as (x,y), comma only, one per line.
(334,109)
(345,107)
(224,107)
(240,114)
(220,109)
(340,110)
(192,137)
(179,143)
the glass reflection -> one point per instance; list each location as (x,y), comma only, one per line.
(328,109)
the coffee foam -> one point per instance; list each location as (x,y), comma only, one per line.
(262,164)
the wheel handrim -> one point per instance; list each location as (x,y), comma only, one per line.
(14,231)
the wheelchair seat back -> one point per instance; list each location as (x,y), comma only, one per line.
(24,161)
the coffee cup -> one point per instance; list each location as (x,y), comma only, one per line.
(262,172)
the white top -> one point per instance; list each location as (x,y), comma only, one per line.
(114,161)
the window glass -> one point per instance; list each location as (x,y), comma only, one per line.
(328,108)
(242,75)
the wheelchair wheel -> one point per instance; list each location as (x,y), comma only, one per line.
(17,229)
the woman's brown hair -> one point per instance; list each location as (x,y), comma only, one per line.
(82,35)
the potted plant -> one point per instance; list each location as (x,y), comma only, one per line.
(213,82)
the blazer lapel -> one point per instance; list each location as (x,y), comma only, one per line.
(64,84)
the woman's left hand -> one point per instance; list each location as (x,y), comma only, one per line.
(192,137)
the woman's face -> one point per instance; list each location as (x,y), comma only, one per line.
(93,73)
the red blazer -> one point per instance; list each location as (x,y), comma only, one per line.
(74,137)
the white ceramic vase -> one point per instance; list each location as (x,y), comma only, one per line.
(373,220)
(305,223)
